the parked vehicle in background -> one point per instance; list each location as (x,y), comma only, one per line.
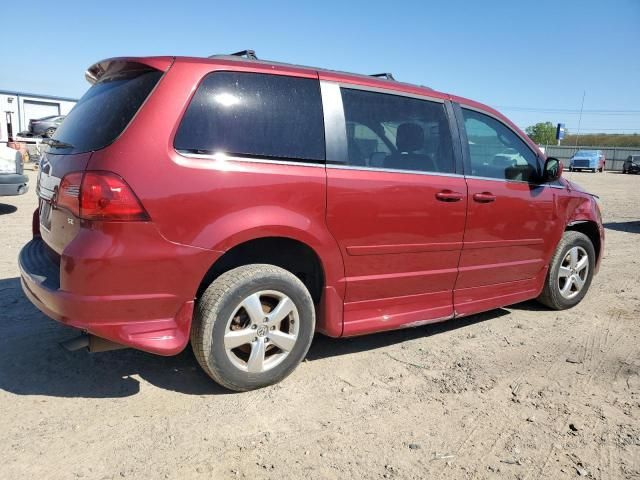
(631,164)
(588,160)
(12,178)
(45,126)
(288,200)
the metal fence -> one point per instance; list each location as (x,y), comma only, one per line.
(615,156)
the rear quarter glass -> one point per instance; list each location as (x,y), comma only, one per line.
(254,114)
(106,109)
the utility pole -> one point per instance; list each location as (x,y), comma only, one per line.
(584,93)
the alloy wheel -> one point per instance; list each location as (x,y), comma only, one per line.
(573,272)
(262,331)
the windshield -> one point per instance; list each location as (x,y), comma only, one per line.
(586,153)
(102,114)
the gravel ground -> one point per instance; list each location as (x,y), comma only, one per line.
(520,392)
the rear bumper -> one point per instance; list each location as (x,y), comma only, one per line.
(13,184)
(147,319)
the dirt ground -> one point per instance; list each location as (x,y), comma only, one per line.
(520,392)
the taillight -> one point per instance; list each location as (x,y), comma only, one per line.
(100,196)
(69,193)
(106,196)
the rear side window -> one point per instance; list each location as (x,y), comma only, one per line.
(395,132)
(254,114)
(496,151)
(107,108)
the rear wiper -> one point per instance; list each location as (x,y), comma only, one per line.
(52,142)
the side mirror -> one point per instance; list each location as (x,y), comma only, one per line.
(552,170)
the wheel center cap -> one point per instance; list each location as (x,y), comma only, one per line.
(262,330)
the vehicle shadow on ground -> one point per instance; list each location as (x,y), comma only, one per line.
(32,362)
(324,347)
(7,209)
(627,227)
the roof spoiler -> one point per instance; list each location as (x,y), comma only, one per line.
(97,70)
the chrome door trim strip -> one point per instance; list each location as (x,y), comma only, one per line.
(393,170)
(221,157)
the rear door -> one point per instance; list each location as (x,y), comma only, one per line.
(511,220)
(395,204)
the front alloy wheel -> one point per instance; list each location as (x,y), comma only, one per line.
(573,272)
(570,271)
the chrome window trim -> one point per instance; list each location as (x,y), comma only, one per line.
(223,157)
(231,158)
(393,170)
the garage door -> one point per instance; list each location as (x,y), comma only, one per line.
(33,109)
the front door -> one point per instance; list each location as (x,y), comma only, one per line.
(511,218)
(396,208)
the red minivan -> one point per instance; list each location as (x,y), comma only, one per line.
(243,205)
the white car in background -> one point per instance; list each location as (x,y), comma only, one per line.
(12,178)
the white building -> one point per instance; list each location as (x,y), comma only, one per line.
(17,108)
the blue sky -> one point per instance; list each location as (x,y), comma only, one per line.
(531,60)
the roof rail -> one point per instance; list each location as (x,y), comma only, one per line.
(250,54)
(386,75)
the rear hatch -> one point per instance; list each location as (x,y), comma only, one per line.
(119,89)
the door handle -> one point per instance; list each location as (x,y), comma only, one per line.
(448,196)
(484,197)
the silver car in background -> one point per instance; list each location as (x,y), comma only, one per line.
(45,126)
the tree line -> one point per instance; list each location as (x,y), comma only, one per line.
(544,133)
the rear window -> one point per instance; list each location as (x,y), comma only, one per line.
(254,114)
(102,113)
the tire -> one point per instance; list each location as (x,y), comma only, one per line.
(49,132)
(551,295)
(220,311)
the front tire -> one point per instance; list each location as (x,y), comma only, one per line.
(253,326)
(570,272)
